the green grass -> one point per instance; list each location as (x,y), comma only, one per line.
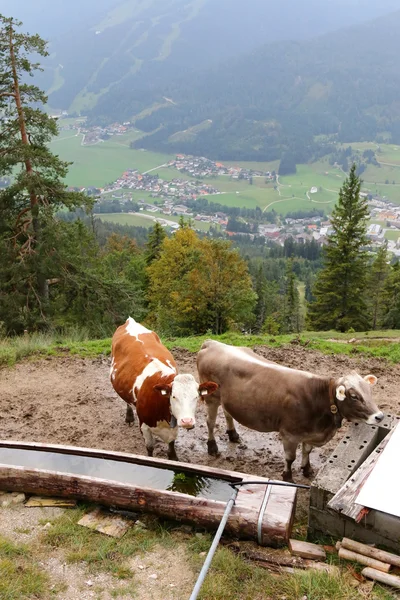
(20,576)
(13,350)
(231,577)
(392,235)
(101,552)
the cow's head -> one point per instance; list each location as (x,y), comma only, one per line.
(354,397)
(184,393)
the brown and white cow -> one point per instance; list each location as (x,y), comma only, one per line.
(144,374)
(266,396)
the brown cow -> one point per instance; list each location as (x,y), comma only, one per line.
(144,373)
(266,396)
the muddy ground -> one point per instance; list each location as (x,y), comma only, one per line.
(71,401)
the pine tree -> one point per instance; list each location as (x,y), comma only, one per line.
(391,299)
(340,288)
(377,277)
(28,205)
(154,243)
(291,312)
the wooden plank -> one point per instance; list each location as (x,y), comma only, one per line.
(242,523)
(364,560)
(104,522)
(344,500)
(381,555)
(35,501)
(391,580)
(306,550)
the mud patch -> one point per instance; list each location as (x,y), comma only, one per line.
(71,401)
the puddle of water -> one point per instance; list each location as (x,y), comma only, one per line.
(122,472)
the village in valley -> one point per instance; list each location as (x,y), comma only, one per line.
(164,197)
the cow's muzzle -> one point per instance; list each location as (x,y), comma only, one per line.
(187,423)
(375,418)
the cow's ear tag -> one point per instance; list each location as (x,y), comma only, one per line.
(334,409)
(163,392)
(341,393)
(204,393)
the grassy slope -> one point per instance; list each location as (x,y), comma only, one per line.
(230,576)
(382,344)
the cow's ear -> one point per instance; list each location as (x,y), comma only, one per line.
(164,388)
(340,393)
(371,379)
(208,387)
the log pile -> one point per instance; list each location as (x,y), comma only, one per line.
(378,562)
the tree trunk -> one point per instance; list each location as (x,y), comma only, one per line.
(42,287)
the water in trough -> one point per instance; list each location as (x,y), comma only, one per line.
(115,470)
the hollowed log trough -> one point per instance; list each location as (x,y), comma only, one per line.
(270,525)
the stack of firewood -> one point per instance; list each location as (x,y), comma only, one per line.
(378,563)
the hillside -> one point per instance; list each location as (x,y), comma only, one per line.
(124,45)
(282,95)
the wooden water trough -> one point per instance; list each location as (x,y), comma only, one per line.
(180,491)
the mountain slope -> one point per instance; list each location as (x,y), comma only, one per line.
(282,95)
(100,49)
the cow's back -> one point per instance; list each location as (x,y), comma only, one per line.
(133,348)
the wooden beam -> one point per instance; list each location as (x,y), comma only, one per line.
(382,555)
(306,550)
(344,500)
(391,580)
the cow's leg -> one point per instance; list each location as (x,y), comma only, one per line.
(290,447)
(231,431)
(129,418)
(148,438)
(212,409)
(171,451)
(305,459)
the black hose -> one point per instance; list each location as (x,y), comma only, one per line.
(280,483)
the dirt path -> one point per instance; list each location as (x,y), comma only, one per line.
(71,401)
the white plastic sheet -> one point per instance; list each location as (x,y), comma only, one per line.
(381,491)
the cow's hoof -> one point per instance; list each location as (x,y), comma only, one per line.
(233,436)
(308,471)
(173,456)
(212,448)
(287,477)
(150,451)
(130,417)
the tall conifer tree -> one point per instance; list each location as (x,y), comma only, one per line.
(27,207)
(340,288)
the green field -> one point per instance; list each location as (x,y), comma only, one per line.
(102,163)
(144,221)
(392,235)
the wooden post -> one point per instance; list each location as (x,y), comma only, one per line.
(364,560)
(386,557)
(391,580)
